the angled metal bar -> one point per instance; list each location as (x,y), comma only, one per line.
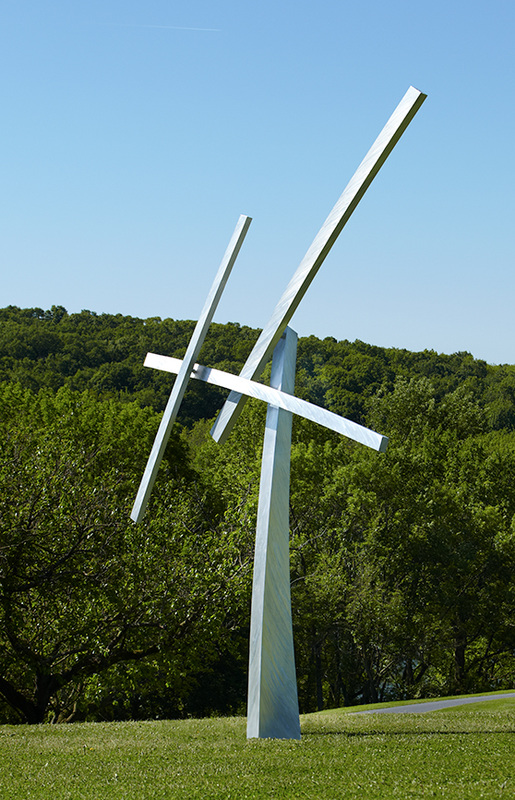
(179,387)
(317,253)
(272,706)
(275,397)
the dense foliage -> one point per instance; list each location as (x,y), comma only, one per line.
(402,565)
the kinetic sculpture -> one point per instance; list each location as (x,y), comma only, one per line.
(272,691)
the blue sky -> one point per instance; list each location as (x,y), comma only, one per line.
(135,133)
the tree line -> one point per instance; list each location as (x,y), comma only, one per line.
(104,353)
(402,564)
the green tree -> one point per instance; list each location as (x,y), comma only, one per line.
(82,589)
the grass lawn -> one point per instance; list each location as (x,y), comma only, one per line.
(462,752)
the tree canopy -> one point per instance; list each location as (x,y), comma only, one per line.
(402,564)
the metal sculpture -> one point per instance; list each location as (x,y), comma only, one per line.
(317,253)
(272,694)
(179,387)
(273,710)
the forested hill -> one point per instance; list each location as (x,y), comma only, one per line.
(402,564)
(105,353)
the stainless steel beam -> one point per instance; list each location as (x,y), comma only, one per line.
(317,253)
(190,357)
(275,397)
(272,705)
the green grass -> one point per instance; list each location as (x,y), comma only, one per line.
(464,752)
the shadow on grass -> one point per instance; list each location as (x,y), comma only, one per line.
(353,734)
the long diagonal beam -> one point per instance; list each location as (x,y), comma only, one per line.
(179,387)
(317,253)
(276,398)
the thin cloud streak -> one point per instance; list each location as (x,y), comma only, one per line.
(165,27)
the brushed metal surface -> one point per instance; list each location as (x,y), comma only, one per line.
(275,397)
(179,387)
(272,688)
(272,705)
(317,253)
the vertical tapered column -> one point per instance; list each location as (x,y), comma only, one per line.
(273,709)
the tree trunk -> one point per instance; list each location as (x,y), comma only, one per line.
(25,708)
(318,674)
(371,688)
(460,646)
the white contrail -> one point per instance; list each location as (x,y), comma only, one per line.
(167,27)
